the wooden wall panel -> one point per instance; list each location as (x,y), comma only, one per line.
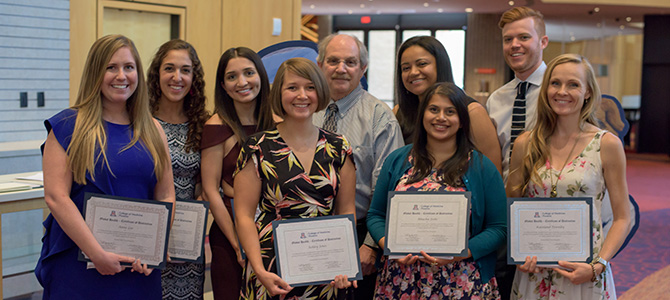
(484,50)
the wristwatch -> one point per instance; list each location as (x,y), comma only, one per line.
(599,260)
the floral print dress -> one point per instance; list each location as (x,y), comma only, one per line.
(288,193)
(459,280)
(582,177)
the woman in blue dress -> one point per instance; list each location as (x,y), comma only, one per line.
(177,95)
(442,158)
(107,143)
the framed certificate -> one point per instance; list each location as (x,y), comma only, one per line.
(552,229)
(313,251)
(132,227)
(435,222)
(187,235)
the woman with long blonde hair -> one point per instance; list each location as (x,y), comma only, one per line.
(566,155)
(107,143)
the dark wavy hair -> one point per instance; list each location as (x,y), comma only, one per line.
(224,105)
(194,101)
(408,102)
(455,167)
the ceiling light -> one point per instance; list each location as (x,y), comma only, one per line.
(440,10)
(628,19)
(597,9)
(362,5)
(511,3)
(469,10)
(425,4)
(350,11)
(572,38)
(622,27)
(312,6)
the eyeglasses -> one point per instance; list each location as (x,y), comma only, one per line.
(349,62)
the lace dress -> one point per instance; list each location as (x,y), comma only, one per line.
(182,280)
(459,280)
(582,177)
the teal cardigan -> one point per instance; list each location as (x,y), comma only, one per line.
(487,223)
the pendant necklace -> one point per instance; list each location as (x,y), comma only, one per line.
(553,193)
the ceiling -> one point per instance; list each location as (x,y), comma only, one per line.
(565,22)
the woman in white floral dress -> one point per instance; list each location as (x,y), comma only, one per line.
(566,155)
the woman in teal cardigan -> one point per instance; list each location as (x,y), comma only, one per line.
(442,158)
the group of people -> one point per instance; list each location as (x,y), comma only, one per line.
(315,143)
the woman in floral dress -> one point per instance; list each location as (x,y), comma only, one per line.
(442,158)
(294,171)
(566,155)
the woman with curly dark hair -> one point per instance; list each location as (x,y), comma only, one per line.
(177,93)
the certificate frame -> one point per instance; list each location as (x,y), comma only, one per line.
(310,232)
(552,219)
(156,220)
(195,222)
(421,203)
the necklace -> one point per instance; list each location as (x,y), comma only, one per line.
(553,193)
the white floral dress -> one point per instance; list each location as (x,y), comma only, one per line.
(581,177)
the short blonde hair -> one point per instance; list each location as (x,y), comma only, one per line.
(520,13)
(304,68)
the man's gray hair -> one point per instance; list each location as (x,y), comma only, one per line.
(362,50)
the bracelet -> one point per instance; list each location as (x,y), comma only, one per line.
(593,269)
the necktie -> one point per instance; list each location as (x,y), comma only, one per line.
(519,112)
(330,123)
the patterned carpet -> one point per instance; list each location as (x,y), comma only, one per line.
(641,270)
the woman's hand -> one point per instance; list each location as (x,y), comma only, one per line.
(530,266)
(407,260)
(240,260)
(342,282)
(141,268)
(441,261)
(273,283)
(108,263)
(581,272)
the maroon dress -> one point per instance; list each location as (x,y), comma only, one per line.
(226,272)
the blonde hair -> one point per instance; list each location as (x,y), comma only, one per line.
(89,134)
(304,68)
(520,13)
(537,151)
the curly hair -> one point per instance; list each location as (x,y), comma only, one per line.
(194,101)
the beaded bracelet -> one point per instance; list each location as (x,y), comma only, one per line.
(594,278)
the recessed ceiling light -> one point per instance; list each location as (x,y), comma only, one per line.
(350,11)
(312,6)
(622,27)
(511,3)
(440,10)
(469,10)
(572,38)
(425,4)
(597,9)
(628,19)
(362,5)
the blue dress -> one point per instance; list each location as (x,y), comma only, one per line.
(131,175)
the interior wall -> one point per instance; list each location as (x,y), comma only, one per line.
(211,27)
(484,43)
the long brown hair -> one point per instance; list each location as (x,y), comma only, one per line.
(224,105)
(89,134)
(455,167)
(538,149)
(194,101)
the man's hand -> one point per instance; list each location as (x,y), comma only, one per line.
(368,258)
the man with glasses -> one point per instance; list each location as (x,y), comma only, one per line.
(370,127)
